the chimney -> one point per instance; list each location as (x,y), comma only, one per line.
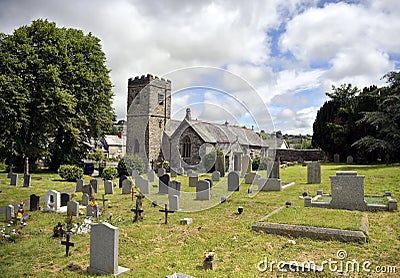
(188,114)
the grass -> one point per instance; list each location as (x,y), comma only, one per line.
(152,249)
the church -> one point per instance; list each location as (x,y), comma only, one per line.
(154,136)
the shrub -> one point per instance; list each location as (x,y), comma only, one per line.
(109,173)
(121,168)
(163,164)
(133,162)
(70,172)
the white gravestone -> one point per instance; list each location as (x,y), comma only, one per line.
(52,201)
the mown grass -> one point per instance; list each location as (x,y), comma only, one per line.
(152,249)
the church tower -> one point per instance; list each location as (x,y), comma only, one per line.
(149,110)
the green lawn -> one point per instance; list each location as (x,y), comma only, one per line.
(152,249)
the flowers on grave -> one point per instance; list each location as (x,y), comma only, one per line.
(209,255)
(20,212)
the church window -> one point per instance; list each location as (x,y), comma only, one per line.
(136,146)
(160,99)
(186,147)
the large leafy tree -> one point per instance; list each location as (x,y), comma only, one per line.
(55,93)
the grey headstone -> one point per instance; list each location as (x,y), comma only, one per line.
(193,179)
(95,184)
(72,208)
(163,184)
(173,202)
(350,160)
(210,181)
(9,213)
(126,186)
(143,185)
(85,199)
(270,184)
(347,191)
(34,202)
(314,173)
(14,179)
(79,185)
(173,174)
(89,210)
(336,158)
(174,188)
(65,198)
(52,201)
(108,187)
(250,177)
(151,176)
(233,181)
(307,201)
(27,180)
(320,192)
(275,169)
(392,205)
(121,179)
(104,250)
(203,190)
(216,175)
(161,172)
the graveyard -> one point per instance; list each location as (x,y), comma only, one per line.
(160,243)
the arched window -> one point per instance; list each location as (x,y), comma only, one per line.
(136,146)
(186,147)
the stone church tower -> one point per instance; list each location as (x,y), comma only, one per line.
(149,110)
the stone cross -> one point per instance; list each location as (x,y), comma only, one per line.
(67,243)
(166,212)
(138,210)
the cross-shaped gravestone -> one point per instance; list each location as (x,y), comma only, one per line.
(104,201)
(67,243)
(166,212)
(133,193)
(138,210)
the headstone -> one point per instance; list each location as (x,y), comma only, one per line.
(392,205)
(85,199)
(173,201)
(250,177)
(193,179)
(203,190)
(151,175)
(143,185)
(186,221)
(34,202)
(271,184)
(89,210)
(166,211)
(347,189)
(65,198)
(314,173)
(275,170)
(108,187)
(95,185)
(350,160)
(79,185)
(10,172)
(135,173)
(52,201)
(126,186)
(72,208)
(104,250)
(88,189)
(14,179)
(9,213)
(320,192)
(163,184)
(336,158)
(173,174)
(308,202)
(233,181)
(216,175)
(121,179)
(174,188)
(161,172)
(27,180)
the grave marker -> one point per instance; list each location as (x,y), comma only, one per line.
(79,185)
(67,243)
(314,173)
(193,179)
(173,201)
(216,175)
(65,198)
(95,185)
(126,186)
(14,179)
(166,211)
(85,199)
(72,208)
(233,181)
(9,213)
(163,184)
(203,190)
(34,202)
(108,187)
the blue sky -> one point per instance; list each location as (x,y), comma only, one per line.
(273,60)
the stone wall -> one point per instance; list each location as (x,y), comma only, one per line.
(299,155)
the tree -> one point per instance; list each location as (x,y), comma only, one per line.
(55,93)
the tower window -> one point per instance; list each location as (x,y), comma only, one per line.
(186,147)
(160,99)
(136,146)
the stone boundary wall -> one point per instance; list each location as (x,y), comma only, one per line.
(299,155)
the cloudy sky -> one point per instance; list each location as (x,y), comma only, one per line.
(260,62)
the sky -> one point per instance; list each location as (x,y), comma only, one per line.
(261,63)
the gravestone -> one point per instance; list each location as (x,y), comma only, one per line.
(95,185)
(203,190)
(72,208)
(126,186)
(193,179)
(108,187)
(34,202)
(10,172)
(314,173)
(143,185)
(174,188)
(9,213)
(216,175)
(85,199)
(79,185)
(347,190)
(233,181)
(121,179)
(14,179)
(250,177)
(104,250)
(349,160)
(27,180)
(89,210)
(270,184)
(336,158)
(173,201)
(161,172)
(65,198)
(275,170)
(210,181)
(52,201)
(151,175)
(173,174)
(163,184)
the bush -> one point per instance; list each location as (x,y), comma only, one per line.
(70,172)
(133,162)
(163,164)
(121,168)
(109,173)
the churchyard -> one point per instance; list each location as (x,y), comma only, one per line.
(151,248)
